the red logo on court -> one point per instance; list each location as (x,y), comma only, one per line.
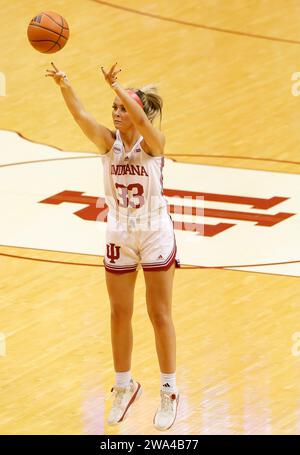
(112,252)
(96,209)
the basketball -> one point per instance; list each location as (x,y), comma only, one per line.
(48,32)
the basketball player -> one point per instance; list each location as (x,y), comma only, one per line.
(139,233)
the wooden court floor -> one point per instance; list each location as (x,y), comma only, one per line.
(224,71)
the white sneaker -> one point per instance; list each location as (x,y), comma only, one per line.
(123,399)
(166,414)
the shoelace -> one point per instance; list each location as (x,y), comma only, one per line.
(166,402)
(118,396)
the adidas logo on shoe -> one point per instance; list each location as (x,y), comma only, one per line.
(166,385)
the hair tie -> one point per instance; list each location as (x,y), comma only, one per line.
(140,93)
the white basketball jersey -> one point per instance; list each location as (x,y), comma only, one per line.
(133,181)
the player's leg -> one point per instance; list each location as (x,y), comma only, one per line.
(159,286)
(158,258)
(120,288)
(120,263)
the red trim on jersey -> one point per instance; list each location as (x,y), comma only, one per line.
(119,271)
(161,262)
(120,268)
(162,265)
(160,268)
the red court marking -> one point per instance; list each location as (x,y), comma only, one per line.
(95,265)
(169,155)
(252,158)
(223,267)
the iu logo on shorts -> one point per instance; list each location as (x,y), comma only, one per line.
(112,252)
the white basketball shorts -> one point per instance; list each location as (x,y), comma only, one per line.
(135,244)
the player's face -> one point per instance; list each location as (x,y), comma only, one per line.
(120,117)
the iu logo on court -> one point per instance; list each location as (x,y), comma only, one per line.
(223,217)
(112,252)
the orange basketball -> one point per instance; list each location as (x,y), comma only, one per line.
(48,32)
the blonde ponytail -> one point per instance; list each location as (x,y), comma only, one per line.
(152,102)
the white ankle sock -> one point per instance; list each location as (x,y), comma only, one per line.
(168,382)
(123,379)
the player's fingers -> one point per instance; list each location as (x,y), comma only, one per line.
(51,71)
(114,76)
(55,67)
(104,72)
(113,68)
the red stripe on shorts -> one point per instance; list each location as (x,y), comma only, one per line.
(161,266)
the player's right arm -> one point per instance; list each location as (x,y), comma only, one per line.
(101,136)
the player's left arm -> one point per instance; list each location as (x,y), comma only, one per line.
(153,137)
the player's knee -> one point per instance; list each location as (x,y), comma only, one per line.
(159,317)
(120,314)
